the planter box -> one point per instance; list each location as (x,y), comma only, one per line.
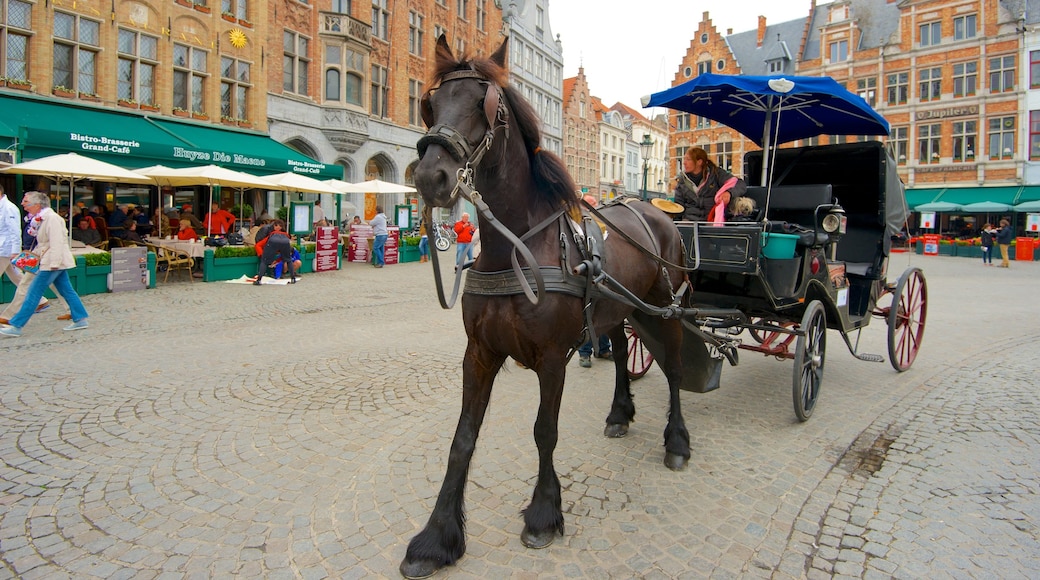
(150,108)
(307,259)
(19,86)
(947,250)
(63,94)
(128,104)
(408,254)
(181,114)
(85,279)
(245,23)
(229,17)
(970,251)
(220,269)
(919,247)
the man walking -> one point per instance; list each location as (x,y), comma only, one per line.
(11,243)
(464,230)
(380,232)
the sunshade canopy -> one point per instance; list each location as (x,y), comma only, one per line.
(296,182)
(73,167)
(378,186)
(209,175)
(776,109)
(985,207)
(940,206)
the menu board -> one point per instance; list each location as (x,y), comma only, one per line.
(326,256)
(358,249)
(129,269)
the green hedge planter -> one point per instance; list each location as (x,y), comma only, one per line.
(947,250)
(85,279)
(408,254)
(216,269)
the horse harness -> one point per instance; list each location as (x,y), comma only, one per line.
(584,280)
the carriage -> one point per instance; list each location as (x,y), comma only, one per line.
(813,257)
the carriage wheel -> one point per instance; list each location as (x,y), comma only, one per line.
(639,357)
(808,360)
(906,319)
(771,338)
(442,243)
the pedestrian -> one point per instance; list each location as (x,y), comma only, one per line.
(55,262)
(319,216)
(603,351)
(380,232)
(10,245)
(424,244)
(1004,236)
(274,243)
(987,234)
(464,230)
(704,189)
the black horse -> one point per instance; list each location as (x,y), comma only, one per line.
(484,137)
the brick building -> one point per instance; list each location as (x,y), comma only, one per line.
(951,77)
(581,133)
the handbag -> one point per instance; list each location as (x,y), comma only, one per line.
(235,239)
(27,261)
(216,242)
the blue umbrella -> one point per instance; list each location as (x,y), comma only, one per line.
(773,109)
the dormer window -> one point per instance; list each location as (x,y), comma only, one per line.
(776,66)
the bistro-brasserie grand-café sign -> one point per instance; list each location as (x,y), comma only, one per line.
(134,148)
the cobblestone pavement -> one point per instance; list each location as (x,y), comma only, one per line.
(210,430)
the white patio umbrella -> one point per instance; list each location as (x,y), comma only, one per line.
(211,175)
(379,186)
(343,186)
(73,167)
(290,181)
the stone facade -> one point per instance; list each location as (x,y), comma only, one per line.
(536,65)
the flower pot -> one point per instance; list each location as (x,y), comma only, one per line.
(21,86)
(200,116)
(150,108)
(128,104)
(229,17)
(88,97)
(246,124)
(203,9)
(177,113)
(63,93)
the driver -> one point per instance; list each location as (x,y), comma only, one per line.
(704,189)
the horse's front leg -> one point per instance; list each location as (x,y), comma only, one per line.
(622,409)
(443,541)
(543,517)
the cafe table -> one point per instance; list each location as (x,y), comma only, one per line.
(195,249)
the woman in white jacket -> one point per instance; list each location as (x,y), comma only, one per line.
(55,261)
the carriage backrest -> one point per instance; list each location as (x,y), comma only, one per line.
(792,203)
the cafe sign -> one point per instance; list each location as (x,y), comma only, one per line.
(964,111)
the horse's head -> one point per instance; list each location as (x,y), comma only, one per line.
(465,111)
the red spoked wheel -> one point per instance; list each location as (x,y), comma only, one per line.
(771,341)
(639,357)
(906,318)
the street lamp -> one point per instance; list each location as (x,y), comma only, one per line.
(645,146)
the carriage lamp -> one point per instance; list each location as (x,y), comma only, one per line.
(835,221)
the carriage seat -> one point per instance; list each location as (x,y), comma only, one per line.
(806,236)
(792,209)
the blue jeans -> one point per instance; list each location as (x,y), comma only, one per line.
(463,249)
(987,254)
(378,247)
(424,246)
(604,346)
(43,279)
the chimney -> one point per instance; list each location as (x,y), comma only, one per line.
(729,32)
(761,30)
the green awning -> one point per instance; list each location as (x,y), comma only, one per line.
(966,195)
(916,197)
(242,150)
(45,127)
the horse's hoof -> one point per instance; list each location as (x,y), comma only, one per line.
(616,430)
(419,568)
(675,462)
(539,540)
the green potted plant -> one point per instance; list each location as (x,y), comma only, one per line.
(408,251)
(229,263)
(244,210)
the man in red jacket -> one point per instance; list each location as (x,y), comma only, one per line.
(464,230)
(218,221)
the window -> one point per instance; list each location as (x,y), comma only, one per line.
(682,122)
(703,122)
(839,51)
(775,65)
(189,77)
(344,69)
(724,155)
(898,88)
(15,29)
(867,89)
(1002,137)
(380,20)
(332,85)
(928,137)
(964,75)
(931,84)
(1001,74)
(463,6)
(295,61)
(439,31)
(931,34)
(415,91)
(234,88)
(380,102)
(415,33)
(341,6)
(898,144)
(138,58)
(1034,69)
(1034,135)
(964,27)
(76,47)
(239,8)
(482,17)
(965,134)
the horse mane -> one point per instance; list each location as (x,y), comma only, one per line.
(549,171)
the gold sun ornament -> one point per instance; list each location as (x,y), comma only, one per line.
(237,37)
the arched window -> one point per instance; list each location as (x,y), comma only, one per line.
(353,83)
(332,92)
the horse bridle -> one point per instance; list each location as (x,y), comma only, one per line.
(457,145)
